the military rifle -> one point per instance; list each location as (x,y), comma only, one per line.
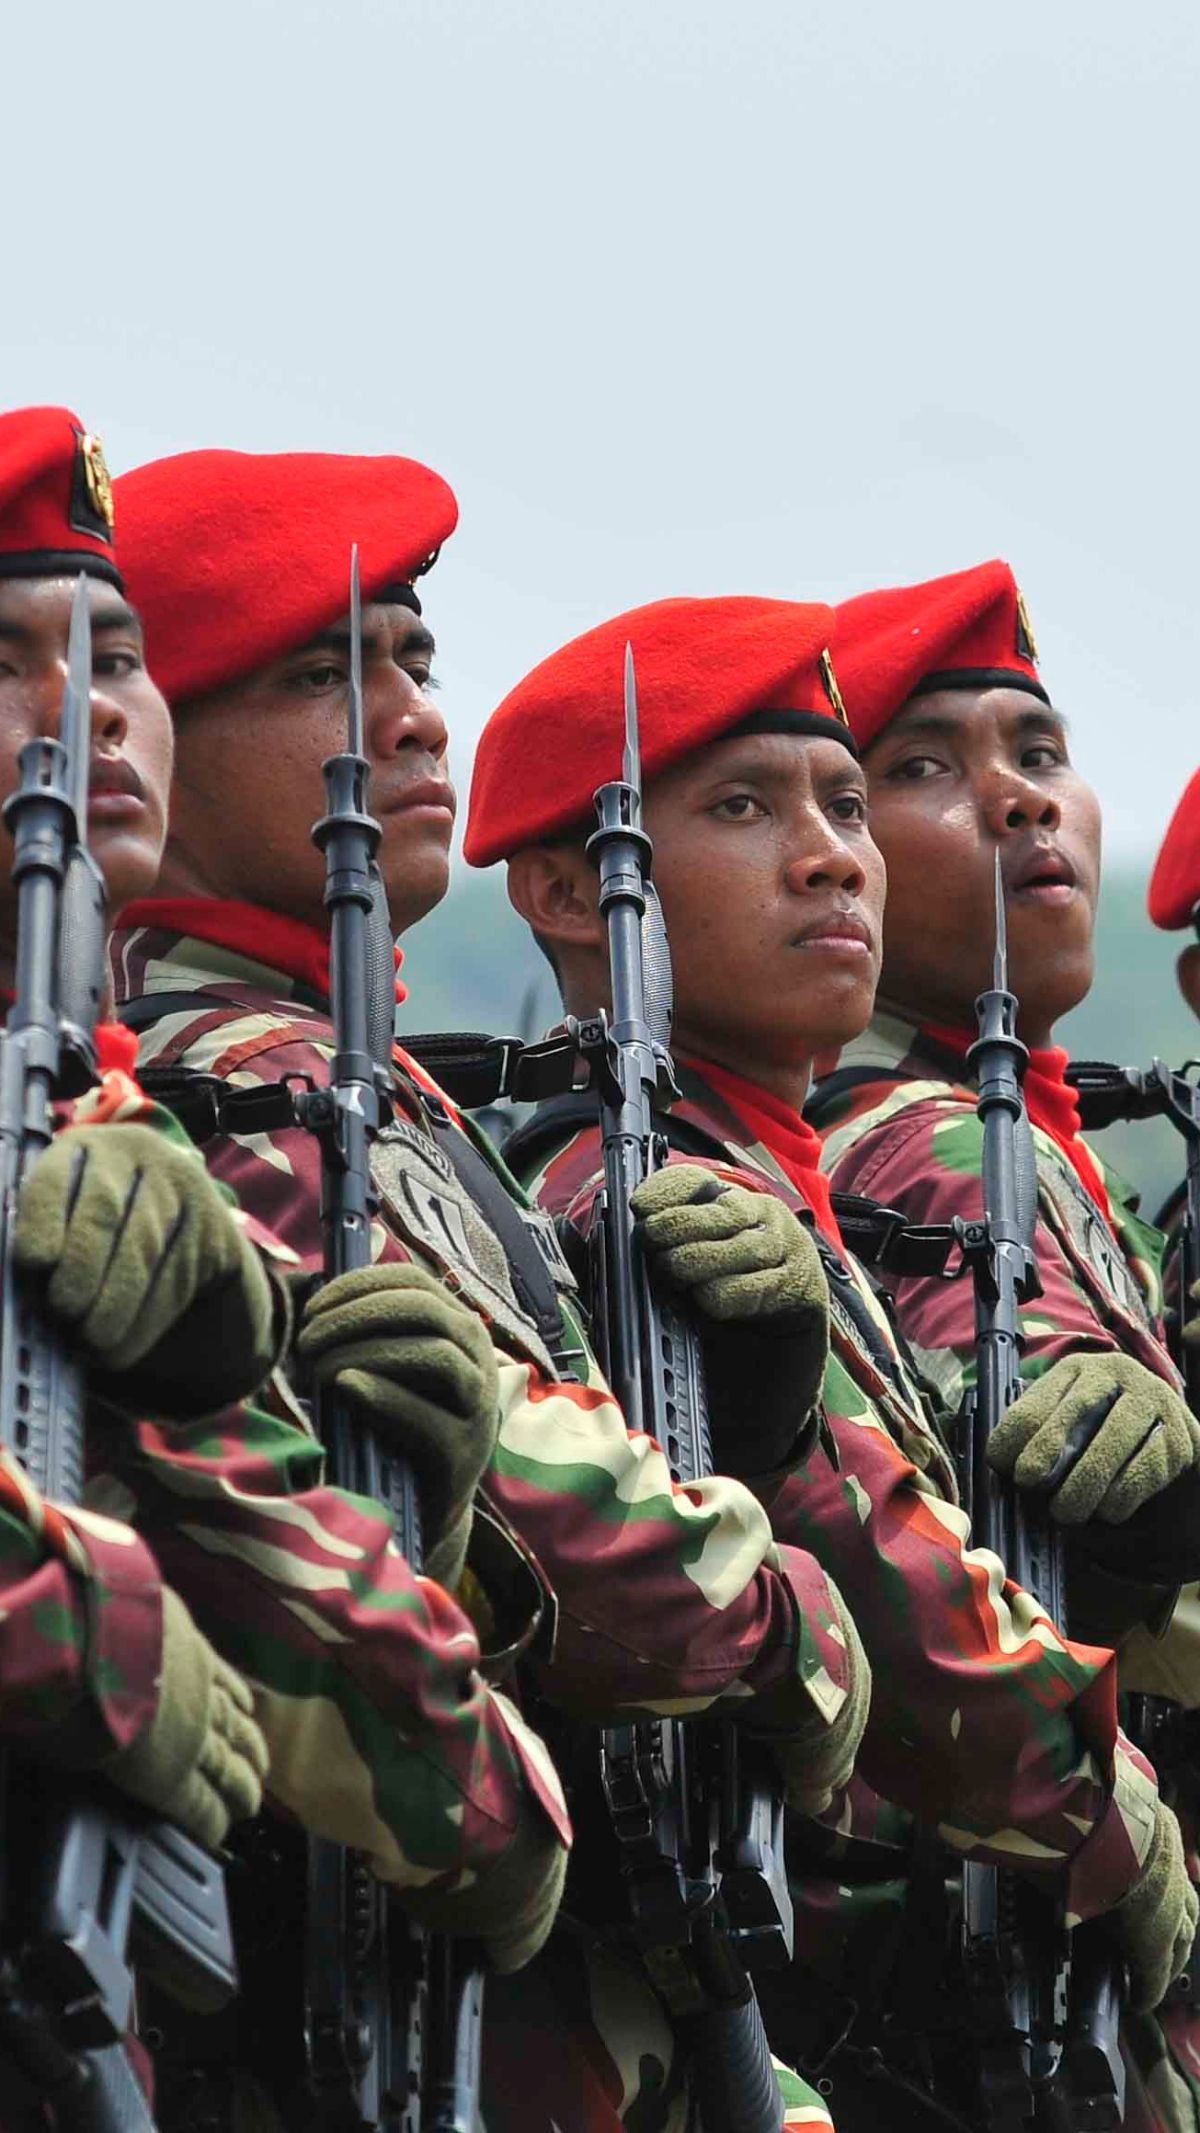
(700,1844)
(366,2050)
(1048,2039)
(91,1886)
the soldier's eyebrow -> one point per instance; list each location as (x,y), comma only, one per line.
(110,615)
(338,640)
(1036,721)
(115,615)
(944,725)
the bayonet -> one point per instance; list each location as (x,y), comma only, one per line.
(1000,956)
(75,720)
(357,732)
(631,768)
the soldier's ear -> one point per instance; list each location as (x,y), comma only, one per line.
(1187,970)
(555,888)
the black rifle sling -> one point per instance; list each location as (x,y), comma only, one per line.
(879,1237)
(888,1240)
(205,1105)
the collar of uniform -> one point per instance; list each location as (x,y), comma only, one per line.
(217,941)
(254,946)
(713,1111)
(898,1046)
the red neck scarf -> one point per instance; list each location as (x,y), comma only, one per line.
(1052,1106)
(784,1133)
(299,950)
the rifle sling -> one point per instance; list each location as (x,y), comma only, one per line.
(879,1237)
(205,1106)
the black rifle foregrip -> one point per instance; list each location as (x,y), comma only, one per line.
(735,2082)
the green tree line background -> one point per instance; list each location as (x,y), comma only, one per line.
(472,965)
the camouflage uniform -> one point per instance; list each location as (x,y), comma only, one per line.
(906,1133)
(723,1611)
(367,1680)
(983,1719)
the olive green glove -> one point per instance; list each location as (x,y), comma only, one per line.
(202,1760)
(1157,1919)
(816,1758)
(394,1339)
(510,1905)
(145,1265)
(1100,1433)
(753,1273)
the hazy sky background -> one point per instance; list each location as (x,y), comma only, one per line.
(682,297)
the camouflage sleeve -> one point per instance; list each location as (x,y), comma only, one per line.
(983,1717)
(721,1610)
(383,1734)
(80,1627)
(928,1160)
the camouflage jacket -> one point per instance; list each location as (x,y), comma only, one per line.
(722,1610)
(983,1718)
(383,1735)
(80,1592)
(906,1133)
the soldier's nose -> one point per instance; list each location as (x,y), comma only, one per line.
(402,716)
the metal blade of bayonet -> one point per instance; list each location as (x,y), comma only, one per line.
(1000,967)
(357,730)
(75,719)
(631,768)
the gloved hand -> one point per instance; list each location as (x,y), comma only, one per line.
(1100,1434)
(145,1265)
(202,1760)
(510,1905)
(816,1758)
(754,1276)
(1157,1919)
(395,1340)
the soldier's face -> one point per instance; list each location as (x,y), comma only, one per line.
(130,732)
(248,784)
(959,774)
(773,894)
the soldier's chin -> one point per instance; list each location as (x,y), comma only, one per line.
(129,866)
(833,1013)
(417,886)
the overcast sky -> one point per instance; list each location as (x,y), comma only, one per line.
(681,297)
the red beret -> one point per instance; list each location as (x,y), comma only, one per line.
(234,558)
(703,666)
(1175,882)
(967,631)
(56,508)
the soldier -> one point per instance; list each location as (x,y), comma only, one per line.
(103,1667)
(966,756)
(365,1681)
(663,1598)
(985,1720)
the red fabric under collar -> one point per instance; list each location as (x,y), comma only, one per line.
(784,1133)
(1052,1106)
(301,951)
